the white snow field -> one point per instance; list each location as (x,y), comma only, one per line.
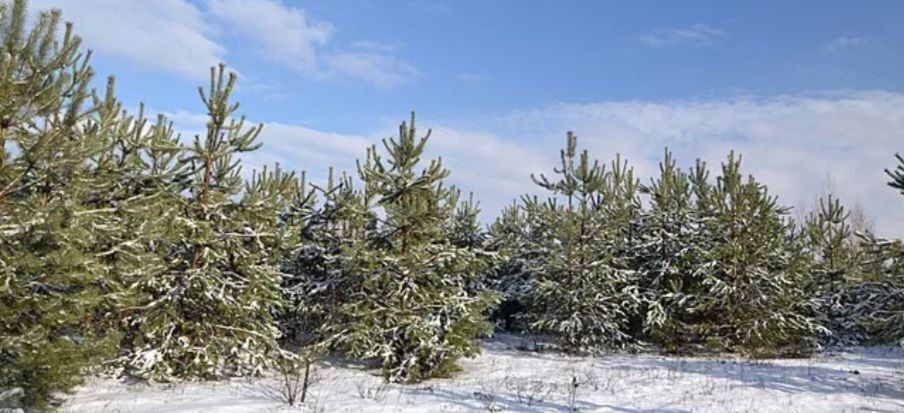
(504,379)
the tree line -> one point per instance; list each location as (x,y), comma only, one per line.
(130,250)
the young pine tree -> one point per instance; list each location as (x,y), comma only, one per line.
(465,229)
(668,258)
(582,292)
(508,235)
(621,204)
(880,307)
(757,299)
(209,310)
(324,226)
(411,304)
(51,279)
(835,257)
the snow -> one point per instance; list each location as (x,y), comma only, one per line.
(506,379)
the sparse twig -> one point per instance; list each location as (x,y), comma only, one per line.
(376,392)
(295,379)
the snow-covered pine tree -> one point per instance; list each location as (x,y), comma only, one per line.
(621,204)
(209,311)
(622,209)
(832,249)
(51,281)
(582,292)
(880,294)
(136,179)
(879,309)
(756,299)
(508,235)
(667,257)
(411,305)
(510,227)
(324,226)
(465,229)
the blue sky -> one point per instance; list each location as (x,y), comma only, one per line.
(810,91)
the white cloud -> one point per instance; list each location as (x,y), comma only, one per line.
(300,147)
(285,33)
(845,41)
(495,168)
(288,35)
(697,35)
(176,36)
(378,69)
(169,35)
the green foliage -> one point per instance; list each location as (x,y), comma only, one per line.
(324,227)
(509,236)
(464,228)
(878,297)
(835,257)
(757,298)
(51,280)
(412,301)
(207,307)
(122,245)
(671,259)
(582,291)
(879,306)
(706,264)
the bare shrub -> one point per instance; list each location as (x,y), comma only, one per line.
(376,392)
(488,399)
(528,391)
(295,379)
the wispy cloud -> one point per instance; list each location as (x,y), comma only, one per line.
(697,35)
(369,61)
(379,69)
(845,41)
(285,34)
(288,35)
(179,37)
(168,35)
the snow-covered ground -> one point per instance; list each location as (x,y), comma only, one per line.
(504,379)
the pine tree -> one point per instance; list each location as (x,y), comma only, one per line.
(209,310)
(411,304)
(834,255)
(324,227)
(756,299)
(465,230)
(582,291)
(668,258)
(51,281)
(508,235)
(138,176)
(880,294)
(620,193)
